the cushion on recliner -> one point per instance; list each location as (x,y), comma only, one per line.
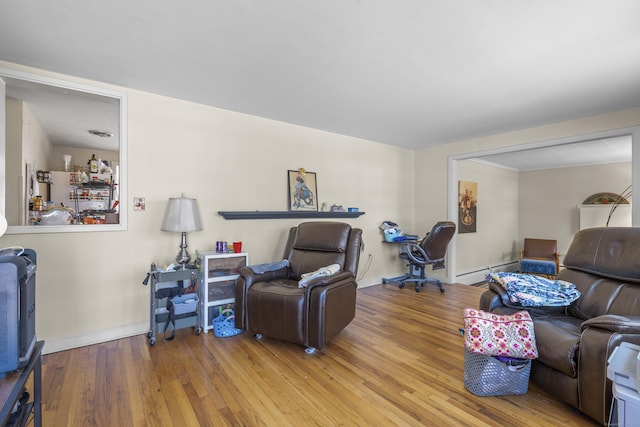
(321,236)
(302,262)
(318,244)
(599,295)
(612,252)
(558,340)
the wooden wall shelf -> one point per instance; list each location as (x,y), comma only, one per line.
(286,214)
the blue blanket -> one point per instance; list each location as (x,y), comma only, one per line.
(269,266)
(534,291)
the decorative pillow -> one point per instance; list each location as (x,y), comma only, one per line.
(500,335)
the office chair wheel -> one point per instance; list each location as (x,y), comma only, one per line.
(401,285)
(258,336)
(310,350)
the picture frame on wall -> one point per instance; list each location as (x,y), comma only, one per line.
(467,206)
(303,190)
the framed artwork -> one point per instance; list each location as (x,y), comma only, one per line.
(467,206)
(303,191)
(138,203)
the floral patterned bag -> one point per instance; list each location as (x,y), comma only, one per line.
(510,335)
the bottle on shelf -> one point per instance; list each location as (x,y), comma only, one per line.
(93,164)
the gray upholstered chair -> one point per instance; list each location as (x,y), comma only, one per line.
(272,304)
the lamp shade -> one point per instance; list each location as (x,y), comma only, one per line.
(182,215)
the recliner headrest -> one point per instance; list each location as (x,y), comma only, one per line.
(612,252)
(322,236)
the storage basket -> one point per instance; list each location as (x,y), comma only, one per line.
(185,303)
(224,324)
(391,233)
(488,376)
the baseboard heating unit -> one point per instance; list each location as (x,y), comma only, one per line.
(476,276)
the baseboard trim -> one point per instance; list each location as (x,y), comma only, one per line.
(365,283)
(53,345)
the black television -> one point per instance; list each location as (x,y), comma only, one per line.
(17,308)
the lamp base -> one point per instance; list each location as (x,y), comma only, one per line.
(183,256)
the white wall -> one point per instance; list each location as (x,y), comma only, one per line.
(36,147)
(79,157)
(89,284)
(26,142)
(549,198)
(540,204)
(435,181)
(14,171)
(496,223)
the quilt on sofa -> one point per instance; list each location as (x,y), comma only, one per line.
(534,291)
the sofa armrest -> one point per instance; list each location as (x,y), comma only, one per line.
(495,297)
(330,305)
(614,323)
(501,292)
(246,279)
(250,277)
(329,280)
(600,336)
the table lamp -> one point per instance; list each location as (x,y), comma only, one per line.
(182,215)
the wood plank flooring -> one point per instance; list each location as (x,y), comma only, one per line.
(400,362)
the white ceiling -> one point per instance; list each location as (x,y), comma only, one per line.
(411,73)
(599,151)
(67,116)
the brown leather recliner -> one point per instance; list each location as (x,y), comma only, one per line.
(271,303)
(575,343)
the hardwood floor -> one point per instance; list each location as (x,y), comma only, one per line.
(400,362)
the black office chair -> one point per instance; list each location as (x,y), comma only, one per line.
(429,251)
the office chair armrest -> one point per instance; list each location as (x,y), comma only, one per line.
(329,280)
(409,248)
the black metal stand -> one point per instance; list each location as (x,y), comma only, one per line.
(12,388)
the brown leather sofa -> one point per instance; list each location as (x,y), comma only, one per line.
(574,343)
(272,304)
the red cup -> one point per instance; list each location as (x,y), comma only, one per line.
(237,247)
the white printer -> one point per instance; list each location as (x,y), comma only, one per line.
(624,370)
